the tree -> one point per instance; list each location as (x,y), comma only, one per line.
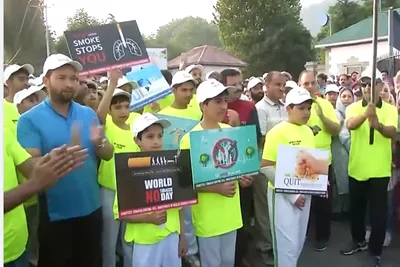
(346,13)
(342,15)
(267,34)
(181,35)
(80,20)
(385,5)
(24,33)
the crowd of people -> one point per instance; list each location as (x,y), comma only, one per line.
(61,132)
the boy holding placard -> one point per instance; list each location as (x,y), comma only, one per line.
(156,235)
(289,213)
(217,216)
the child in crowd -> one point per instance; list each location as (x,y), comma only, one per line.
(289,213)
(217,216)
(156,235)
(119,133)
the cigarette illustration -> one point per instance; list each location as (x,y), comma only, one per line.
(121,34)
(139,162)
(149,161)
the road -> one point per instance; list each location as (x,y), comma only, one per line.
(332,258)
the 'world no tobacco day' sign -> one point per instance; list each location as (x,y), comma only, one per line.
(106,47)
(151,181)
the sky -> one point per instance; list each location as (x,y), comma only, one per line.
(150,14)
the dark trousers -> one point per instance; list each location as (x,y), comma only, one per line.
(73,242)
(243,234)
(372,194)
(322,209)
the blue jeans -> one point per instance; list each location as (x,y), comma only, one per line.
(189,232)
(22,261)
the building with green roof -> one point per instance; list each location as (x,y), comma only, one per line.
(351,48)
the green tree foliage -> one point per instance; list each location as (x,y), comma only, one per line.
(343,14)
(81,19)
(181,35)
(267,34)
(386,4)
(24,32)
(348,12)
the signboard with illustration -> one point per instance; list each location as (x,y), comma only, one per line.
(223,155)
(151,181)
(301,170)
(106,47)
(152,86)
(174,133)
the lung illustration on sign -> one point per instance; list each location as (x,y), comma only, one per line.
(120,46)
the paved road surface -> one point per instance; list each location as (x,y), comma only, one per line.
(332,258)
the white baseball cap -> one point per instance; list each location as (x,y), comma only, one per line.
(181,77)
(103,79)
(297,96)
(145,121)
(25,93)
(123,80)
(367,73)
(287,74)
(118,92)
(253,81)
(195,66)
(291,84)
(332,88)
(11,69)
(56,61)
(209,89)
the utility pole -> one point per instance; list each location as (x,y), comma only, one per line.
(46,24)
(47,30)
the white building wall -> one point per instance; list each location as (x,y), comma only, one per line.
(344,59)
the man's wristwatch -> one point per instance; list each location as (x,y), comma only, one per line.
(103,143)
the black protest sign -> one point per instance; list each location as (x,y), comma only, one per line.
(106,47)
(151,181)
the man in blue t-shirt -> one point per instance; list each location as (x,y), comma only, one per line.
(70,220)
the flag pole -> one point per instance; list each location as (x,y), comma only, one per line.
(376,4)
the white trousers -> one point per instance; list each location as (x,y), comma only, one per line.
(288,226)
(161,254)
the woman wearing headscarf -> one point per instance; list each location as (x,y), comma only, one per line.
(340,157)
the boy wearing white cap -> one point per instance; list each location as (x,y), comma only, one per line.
(332,93)
(115,103)
(26,99)
(217,216)
(156,235)
(15,78)
(289,213)
(183,88)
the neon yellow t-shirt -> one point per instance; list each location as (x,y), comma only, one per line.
(132,117)
(187,113)
(286,133)
(323,139)
(214,214)
(122,141)
(11,116)
(147,233)
(163,103)
(371,161)
(15,226)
